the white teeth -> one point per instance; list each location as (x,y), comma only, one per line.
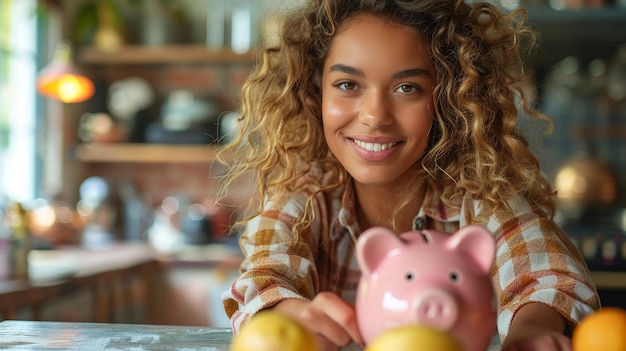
(373,146)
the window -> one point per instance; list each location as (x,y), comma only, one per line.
(19,103)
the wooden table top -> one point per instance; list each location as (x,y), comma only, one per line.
(60,336)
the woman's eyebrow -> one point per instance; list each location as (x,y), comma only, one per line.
(346,69)
(413,72)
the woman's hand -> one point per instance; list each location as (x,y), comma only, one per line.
(537,327)
(331,320)
(538,339)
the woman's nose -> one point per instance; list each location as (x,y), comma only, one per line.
(375,111)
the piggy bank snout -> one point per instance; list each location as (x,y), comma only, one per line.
(437,308)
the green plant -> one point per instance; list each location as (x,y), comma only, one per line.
(89,16)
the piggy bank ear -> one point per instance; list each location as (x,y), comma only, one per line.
(476,242)
(373,246)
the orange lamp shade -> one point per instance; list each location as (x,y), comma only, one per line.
(64,85)
(60,80)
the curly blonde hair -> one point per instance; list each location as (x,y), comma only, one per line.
(475,147)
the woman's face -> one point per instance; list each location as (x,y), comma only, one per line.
(376,92)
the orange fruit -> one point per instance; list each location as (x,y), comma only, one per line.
(414,338)
(273,331)
(603,330)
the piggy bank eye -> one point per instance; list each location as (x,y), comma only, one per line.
(409,276)
(455,276)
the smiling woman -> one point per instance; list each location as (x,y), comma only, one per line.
(18,105)
(401,114)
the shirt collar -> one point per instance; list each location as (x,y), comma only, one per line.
(347,213)
(432,207)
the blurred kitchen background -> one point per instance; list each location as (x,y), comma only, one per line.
(107,180)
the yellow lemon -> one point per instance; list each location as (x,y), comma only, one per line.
(604,330)
(273,331)
(414,338)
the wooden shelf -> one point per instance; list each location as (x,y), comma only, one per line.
(138,54)
(145,153)
(546,14)
(609,280)
(590,25)
(594,132)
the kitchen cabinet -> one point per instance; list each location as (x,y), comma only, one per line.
(144,153)
(588,122)
(588,34)
(124,283)
(170,54)
(117,284)
(157,170)
(601,24)
(575,66)
(144,61)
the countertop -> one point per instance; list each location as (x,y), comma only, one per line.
(61,336)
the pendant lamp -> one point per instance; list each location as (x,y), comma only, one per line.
(60,79)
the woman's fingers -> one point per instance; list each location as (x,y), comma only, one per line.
(328,317)
(343,314)
(332,318)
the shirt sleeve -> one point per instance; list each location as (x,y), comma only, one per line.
(536,262)
(276,264)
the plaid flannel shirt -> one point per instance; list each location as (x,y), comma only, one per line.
(535,260)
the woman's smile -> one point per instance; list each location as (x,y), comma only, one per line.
(373,147)
(374,151)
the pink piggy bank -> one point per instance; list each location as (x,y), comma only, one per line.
(428,277)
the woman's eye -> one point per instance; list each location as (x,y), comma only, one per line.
(407,89)
(346,85)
